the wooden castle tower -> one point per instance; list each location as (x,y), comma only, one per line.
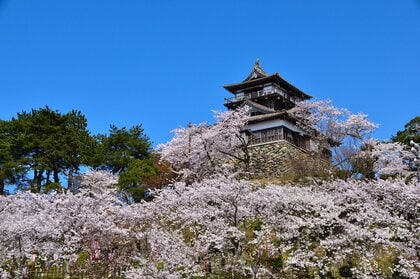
(277,143)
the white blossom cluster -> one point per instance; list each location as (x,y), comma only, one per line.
(334,123)
(197,151)
(343,130)
(56,227)
(201,150)
(223,226)
(390,158)
(211,223)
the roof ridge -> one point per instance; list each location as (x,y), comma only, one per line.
(256,72)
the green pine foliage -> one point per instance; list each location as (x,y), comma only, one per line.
(132,181)
(411,132)
(42,150)
(47,145)
(121,147)
(127,152)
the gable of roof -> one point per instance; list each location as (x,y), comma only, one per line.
(257,72)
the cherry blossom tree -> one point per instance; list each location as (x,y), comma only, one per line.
(238,228)
(388,159)
(218,226)
(58,227)
(198,151)
(334,123)
(211,223)
(344,130)
(415,150)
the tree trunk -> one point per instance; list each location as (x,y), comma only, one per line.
(70,179)
(56,178)
(1,187)
(48,174)
(37,183)
(33,181)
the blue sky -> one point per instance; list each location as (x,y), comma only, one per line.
(163,63)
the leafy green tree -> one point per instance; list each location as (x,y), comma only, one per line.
(126,152)
(49,144)
(145,174)
(134,181)
(41,147)
(10,170)
(77,144)
(411,132)
(5,158)
(119,148)
(36,138)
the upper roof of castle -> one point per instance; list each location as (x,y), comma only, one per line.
(258,76)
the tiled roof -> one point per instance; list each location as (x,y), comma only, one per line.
(258,77)
(259,106)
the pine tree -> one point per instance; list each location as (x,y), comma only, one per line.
(411,132)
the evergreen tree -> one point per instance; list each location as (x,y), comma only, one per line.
(117,150)
(77,145)
(49,145)
(134,181)
(41,147)
(10,170)
(126,152)
(411,132)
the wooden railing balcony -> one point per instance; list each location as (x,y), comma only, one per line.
(276,134)
(267,139)
(258,94)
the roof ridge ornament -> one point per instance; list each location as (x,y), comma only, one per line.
(257,63)
(257,72)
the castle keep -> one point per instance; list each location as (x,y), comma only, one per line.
(277,144)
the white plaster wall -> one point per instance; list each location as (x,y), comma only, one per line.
(274,123)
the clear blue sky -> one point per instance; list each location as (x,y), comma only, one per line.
(163,63)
